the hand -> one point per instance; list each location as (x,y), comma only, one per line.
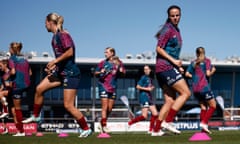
(178,63)
(51,65)
(48,71)
(181,70)
(151,88)
(213,69)
(103,70)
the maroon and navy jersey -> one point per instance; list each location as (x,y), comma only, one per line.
(170,40)
(199,78)
(108,80)
(61,42)
(21,79)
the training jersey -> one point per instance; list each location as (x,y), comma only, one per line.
(199,78)
(145,81)
(21,79)
(108,80)
(61,42)
(170,40)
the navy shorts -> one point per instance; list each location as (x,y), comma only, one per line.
(67,82)
(169,77)
(18,93)
(104,94)
(71,83)
(204,96)
(145,101)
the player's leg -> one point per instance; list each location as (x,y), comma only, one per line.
(154,116)
(44,85)
(3,95)
(142,117)
(68,100)
(169,99)
(144,103)
(183,94)
(111,102)
(18,113)
(103,121)
(203,111)
(212,107)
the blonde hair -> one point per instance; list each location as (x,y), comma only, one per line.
(16,47)
(57,19)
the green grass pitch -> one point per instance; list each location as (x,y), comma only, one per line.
(218,137)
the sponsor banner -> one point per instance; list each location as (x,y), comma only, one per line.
(75,130)
(189,125)
(28,128)
(123,126)
(59,127)
(224,128)
(217,124)
(232,123)
(214,124)
(144,126)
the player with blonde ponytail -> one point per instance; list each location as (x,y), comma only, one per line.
(61,71)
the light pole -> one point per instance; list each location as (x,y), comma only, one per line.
(93,93)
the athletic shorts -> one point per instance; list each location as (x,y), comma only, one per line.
(67,82)
(18,93)
(204,96)
(169,77)
(71,83)
(104,94)
(145,101)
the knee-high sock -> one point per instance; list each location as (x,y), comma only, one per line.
(170,117)
(104,122)
(19,118)
(157,126)
(152,121)
(202,114)
(137,119)
(208,115)
(36,109)
(83,124)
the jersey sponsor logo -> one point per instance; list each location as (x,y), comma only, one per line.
(17,96)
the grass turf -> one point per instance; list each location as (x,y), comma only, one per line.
(218,137)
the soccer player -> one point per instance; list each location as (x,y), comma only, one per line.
(108,71)
(20,75)
(200,70)
(145,86)
(6,86)
(169,71)
(61,71)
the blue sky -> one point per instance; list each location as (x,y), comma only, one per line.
(127,25)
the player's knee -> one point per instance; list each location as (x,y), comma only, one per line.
(68,106)
(187,93)
(39,90)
